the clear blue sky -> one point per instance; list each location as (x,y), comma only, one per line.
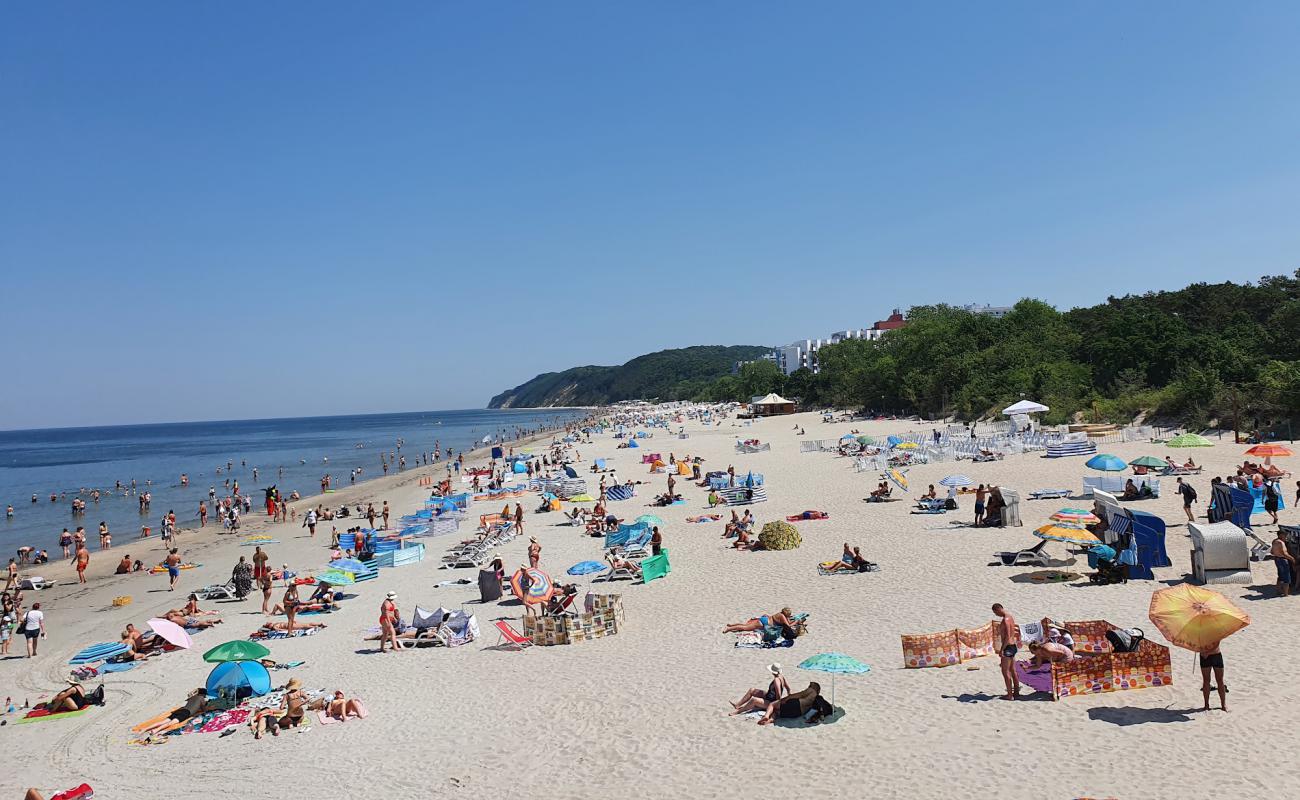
(392,206)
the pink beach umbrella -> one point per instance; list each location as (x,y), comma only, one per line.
(171,632)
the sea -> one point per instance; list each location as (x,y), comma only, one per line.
(294,454)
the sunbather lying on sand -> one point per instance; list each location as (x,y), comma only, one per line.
(284,626)
(784,617)
(177,616)
(192,608)
(340,707)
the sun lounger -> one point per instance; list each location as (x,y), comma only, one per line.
(218,591)
(511,639)
(1049,494)
(618,573)
(1181,471)
(1034,556)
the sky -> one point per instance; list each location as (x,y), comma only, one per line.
(229,210)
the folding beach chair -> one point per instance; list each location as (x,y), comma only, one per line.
(511,639)
(618,573)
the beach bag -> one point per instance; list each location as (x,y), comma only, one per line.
(1125,640)
(96,698)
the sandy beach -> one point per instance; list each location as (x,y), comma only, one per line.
(646,711)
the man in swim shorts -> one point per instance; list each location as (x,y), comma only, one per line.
(173,562)
(1285,563)
(1008,639)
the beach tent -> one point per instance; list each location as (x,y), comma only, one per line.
(1024,407)
(238,679)
(521,467)
(771,405)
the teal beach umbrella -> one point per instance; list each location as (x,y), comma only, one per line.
(835,664)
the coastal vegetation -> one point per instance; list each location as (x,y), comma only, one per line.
(678,374)
(1205,352)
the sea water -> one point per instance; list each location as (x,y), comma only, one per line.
(291,453)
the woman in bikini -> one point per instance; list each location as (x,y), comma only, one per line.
(388,617)
(758,699)
(784,617)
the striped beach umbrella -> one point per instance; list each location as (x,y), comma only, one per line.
(898,478)
(1067,534)
(1078,517)
(540,587)
(956,481)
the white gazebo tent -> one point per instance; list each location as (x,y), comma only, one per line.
(1019,412)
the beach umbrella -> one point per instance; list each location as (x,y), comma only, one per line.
(582,498)
(649,519)
(238,679)
(893,441)
(1068,534)
(863,439)
(171,632)
(238,650)
(908,446)
(540,586)
(600,463)
(1104,462)
(956,481)
(1146,461)
(1268,451)
(1195,618)
(1189,440)
(835,664)
(336,577)
(848,436)
(1078,517)
(549,496)
(898,478)
(588,567)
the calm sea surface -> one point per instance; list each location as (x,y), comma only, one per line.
(65,460)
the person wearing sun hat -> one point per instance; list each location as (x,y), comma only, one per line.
(534,552)
(759,700)
(388,621)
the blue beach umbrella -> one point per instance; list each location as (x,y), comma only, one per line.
(956,481)
(587,567)
(835,664)
(1104,462)
(600,463)
(893,441)
(336,577)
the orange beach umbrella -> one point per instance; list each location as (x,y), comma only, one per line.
(1195,618)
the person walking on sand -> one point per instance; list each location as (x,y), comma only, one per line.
(203,514)
(34,626)
(388,618)
(1212,661)
(519,518)
(534,552)
(265,583)
(370,514)
(83,561)
(11,580)
(1188,494)
(1008,640)
(384,514)
(173,564)
(309,522)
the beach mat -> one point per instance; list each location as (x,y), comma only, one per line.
(44,717)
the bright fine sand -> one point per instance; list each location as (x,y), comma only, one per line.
(644,713)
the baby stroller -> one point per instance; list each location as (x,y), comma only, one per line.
(1105,561)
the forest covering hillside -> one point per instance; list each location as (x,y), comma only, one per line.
(666,375)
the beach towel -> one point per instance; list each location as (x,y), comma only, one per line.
(111,666)
(824,568)
(225,719)
(40,715)
(1037,678)
(754,640)
(264,634)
